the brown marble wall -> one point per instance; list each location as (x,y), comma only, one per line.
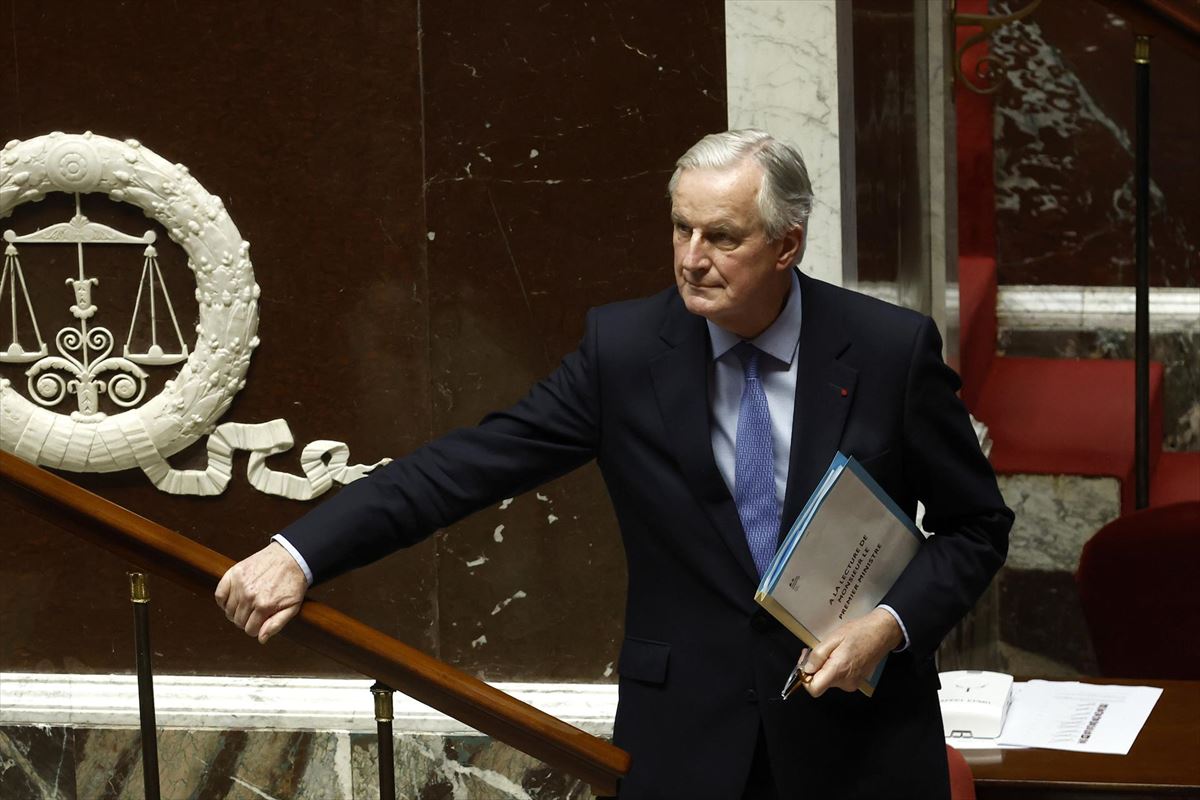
(550,136)
(322,198)
(1064,131)
(434,193)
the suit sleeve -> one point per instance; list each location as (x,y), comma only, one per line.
(963,508)
(549,432)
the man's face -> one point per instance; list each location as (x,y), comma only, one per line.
(725,268)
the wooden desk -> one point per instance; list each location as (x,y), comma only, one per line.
(1163,762)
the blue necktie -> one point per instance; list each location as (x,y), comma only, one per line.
(754,471)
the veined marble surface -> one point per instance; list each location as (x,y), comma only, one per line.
(57,763)
(1064,151)
(1081,308)
(1056,515)
(1028,307)
(70,737)
(1041,625)
(781,70)
(67,763)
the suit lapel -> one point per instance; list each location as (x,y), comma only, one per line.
(824,392)
(680,377)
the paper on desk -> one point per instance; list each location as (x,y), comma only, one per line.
(1067,715)
(969,743)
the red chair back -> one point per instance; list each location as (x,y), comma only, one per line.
(962,782)
(1137,582)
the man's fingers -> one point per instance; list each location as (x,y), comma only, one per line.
(261,593)
(222,592)
(830,678)
(849,656)
(241,614)
(823,667)
(815,659)
(255,621)
(275,624)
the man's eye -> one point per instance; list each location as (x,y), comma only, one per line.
(686,230)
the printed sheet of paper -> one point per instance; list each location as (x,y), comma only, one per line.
(1067,715)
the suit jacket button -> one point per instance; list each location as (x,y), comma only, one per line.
(751,696)
(760,621)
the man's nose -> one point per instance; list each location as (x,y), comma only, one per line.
(695,256)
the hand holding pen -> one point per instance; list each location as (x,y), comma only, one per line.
(800,676)
(847,657)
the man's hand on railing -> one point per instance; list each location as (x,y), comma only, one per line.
(262,593)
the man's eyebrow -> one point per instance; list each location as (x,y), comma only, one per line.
(720,225)
(726,226)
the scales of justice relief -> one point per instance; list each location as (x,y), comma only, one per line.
(79,365)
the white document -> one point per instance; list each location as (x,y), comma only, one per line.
(1067,715)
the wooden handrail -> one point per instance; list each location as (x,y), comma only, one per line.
(1173,22)
(319,627)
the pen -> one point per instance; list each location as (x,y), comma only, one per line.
(798,676)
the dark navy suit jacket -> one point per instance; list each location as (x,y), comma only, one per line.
(701,665)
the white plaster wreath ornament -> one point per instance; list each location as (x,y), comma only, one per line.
(84,366)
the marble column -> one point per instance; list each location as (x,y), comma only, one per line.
(782,73)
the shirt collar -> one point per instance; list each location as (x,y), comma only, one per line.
(779,340)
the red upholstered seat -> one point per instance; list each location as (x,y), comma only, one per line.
(1176,480)
(1067,417)
(1137,586)
(962,782)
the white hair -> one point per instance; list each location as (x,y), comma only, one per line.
(785,197)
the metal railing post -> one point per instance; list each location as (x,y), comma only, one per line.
(1141,335)
(383,723)
(139,594)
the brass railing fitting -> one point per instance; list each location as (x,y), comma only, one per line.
(139,589)
(383,702)
(1141,50)
(988,68)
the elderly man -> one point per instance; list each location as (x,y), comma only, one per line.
(712,409)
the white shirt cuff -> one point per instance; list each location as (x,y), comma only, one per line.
(294,553)
(888,609)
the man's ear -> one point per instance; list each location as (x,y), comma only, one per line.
(791,248)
